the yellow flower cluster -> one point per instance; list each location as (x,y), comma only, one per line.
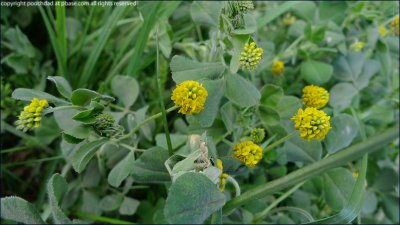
(257,135)
(357,46)
(382,31)
(190,95)
(314,96)
(222,177)
(248,153)
(394,26)
(312,123)
(251,56)
(278,67)
(32,115)
(289,19)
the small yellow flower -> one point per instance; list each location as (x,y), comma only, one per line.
(278,67)
(251,56)
(190,95)
(394,26)
(289,19)
(357,46)
(222,177)
(382,31)
(314,96)
(355,174)
(312,123)
(257,135)
(31,116)
(248,153)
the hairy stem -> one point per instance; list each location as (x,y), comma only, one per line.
(339,158)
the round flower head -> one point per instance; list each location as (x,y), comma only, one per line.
(312,123)
(289,19)
(31,116)
(251,56)
(190,95)
(314,96)
(104,121)
(357,46)
(278,67)
(394,26)
(382,31)
(248,153)
(257,135)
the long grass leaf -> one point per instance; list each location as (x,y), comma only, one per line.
(61,32)
(339,158)
(87,72)
(57,49)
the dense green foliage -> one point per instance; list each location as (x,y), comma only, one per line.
(113,148)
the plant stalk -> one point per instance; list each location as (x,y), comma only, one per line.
(312,170)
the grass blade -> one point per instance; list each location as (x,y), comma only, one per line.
(99,46)
(53,39)
(340,158)
(61,29)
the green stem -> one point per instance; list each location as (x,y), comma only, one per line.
(278,142)
(160,92)
(339,158)
(101,218)
(235,184)
(155,116)
(15,149)
(264,213)
(33,161)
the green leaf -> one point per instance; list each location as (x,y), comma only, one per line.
(56,187)
(196,205)
(206,13)
(300,150)
(126,89)
(215,89)
(122,170)
(288,107)
(19,63)
(305,10)
(344,130)
(111,202)
(150,168)
(62,85)
(183,69)
(28,94)
(17,209)
(386,180)
(89,116)
(128,206)
(79,132)
(177,140)
(250,25)
(241,91)
(271,95)
(268,115)
(83,96)
(354,205)
(19,42)
(341,96)
(64,118)
(315,72)
(85,153)
(229,114)
(330,11)
(274,13)
(338,184)
(238,42)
